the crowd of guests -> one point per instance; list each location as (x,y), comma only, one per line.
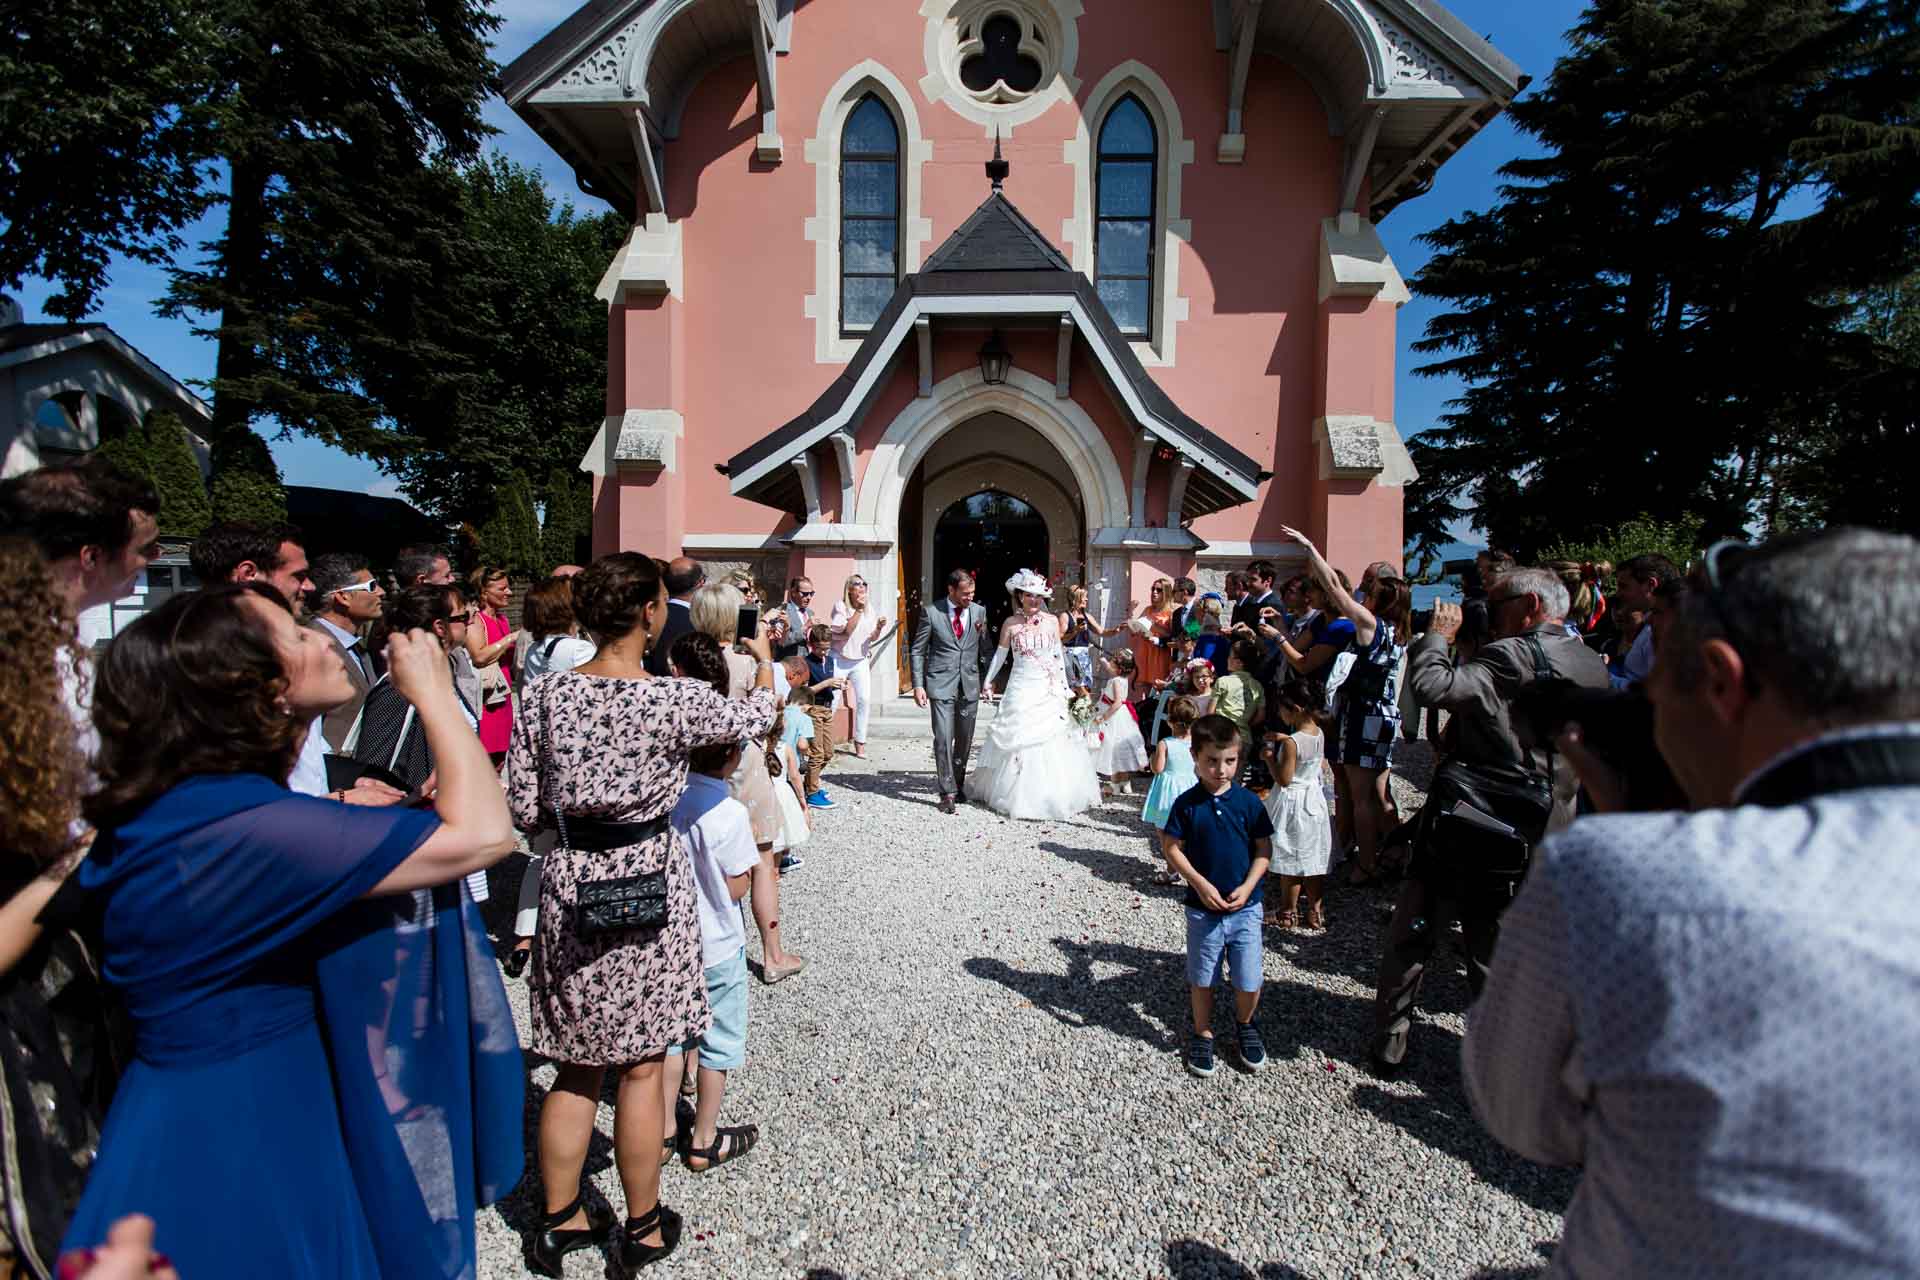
(245,848)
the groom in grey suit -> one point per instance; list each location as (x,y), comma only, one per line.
(949,659)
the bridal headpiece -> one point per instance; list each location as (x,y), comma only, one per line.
(1029,581)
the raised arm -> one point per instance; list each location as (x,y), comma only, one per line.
(1364,623)
(474,831)
(1436,681)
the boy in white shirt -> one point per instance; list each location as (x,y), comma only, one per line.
(719,835)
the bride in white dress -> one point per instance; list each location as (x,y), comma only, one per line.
(1034,764)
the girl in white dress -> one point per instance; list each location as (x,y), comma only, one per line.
(1302,829)
(1118,749)
(1034,763)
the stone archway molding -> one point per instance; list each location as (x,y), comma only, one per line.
(1029,399)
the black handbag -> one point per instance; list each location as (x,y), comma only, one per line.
(619,904)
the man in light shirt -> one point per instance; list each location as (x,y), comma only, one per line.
(1713,1012)
(344,602)
(97,527)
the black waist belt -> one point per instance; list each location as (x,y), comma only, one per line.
(592,835)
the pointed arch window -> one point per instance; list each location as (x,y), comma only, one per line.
(1126,195)
(869,213)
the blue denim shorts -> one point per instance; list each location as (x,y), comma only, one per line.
(1230,941)
(724,1046)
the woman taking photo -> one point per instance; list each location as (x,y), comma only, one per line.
(251,1126)
(605,747)
(1367,723)
(1079,633)
(855,626)
(490,645)
(715,611)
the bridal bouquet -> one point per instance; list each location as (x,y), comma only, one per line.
(1081,709)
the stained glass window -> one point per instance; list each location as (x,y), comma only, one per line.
(1125,197)
(869,214)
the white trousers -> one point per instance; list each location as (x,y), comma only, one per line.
(860,685)
(526,920)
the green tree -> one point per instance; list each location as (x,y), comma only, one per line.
(523,325)
(567,500)
(343,227)
(159,450)
(108,115)
(1680,541)
(1657,303)
(176,474)
(511,536)
(245,485)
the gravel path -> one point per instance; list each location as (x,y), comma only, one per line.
(979,1075)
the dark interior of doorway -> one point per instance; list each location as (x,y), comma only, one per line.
(993,535)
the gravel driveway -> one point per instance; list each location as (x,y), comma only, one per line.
(979,1075)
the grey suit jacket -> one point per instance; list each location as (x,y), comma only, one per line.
(339,721)
(1480,695)
(942,665)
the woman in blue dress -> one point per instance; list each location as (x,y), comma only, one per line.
(326,1080)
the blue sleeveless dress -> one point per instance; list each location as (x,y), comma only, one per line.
(323,1087)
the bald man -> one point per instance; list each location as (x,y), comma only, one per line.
(683,578)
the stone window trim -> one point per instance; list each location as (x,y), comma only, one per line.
(1176,150)
(1049,34)
(822,151)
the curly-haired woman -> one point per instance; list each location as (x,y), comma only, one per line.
(256,1125)
(59,1070)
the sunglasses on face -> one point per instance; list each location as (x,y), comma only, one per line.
(459,617)
(368,585)
(803,595)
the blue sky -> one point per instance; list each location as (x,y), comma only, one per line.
(1531,32)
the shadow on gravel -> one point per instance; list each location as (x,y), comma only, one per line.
(1193,1260)
(914,787)
(1115,868)
(1440,1119)
(520,1207)
(1146,1002)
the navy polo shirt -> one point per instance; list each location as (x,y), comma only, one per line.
(1217,834)
(819,670)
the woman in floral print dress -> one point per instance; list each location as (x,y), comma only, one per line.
(619,741)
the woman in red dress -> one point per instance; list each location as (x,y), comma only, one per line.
(491,642)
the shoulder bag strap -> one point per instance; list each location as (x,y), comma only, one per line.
(1542,670)
(546,762)
(399,743)
(353,733)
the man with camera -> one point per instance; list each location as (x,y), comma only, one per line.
(1713,1011)
(1499,772)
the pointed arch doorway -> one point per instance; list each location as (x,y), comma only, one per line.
(990,496)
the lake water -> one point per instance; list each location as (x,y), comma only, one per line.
(1426,596)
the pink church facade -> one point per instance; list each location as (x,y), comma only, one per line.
(834,350)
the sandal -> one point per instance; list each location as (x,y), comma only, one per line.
(635,1252)
(729,1143)
(1284,920)
(1317,916)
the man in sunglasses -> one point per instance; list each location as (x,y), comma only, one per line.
(793,620)
(1714,1012)
(343,602)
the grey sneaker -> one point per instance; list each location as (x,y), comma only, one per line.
(1253,1051)
(1200,1056)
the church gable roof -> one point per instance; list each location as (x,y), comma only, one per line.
(997,237)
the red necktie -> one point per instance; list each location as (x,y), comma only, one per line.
(957,628)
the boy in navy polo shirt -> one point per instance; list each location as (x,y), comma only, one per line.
(1219,839)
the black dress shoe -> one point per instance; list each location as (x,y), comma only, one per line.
(946,804)
(548,1246)
(517,961)
(635,1253)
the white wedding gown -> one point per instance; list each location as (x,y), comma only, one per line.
(1035,762)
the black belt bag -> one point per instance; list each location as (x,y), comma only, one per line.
(621,904)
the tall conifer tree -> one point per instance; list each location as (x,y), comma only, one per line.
(1662,299)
